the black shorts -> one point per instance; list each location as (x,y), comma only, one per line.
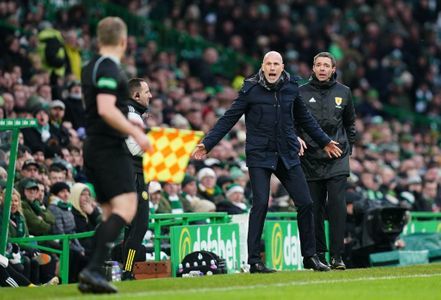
(108,167)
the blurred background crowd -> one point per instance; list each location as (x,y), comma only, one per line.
(388,52)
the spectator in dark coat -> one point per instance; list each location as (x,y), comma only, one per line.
(86,213)
(65,224)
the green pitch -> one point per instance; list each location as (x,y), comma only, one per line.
(413,282)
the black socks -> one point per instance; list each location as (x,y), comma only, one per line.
(105,235)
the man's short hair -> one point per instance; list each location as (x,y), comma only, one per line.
(135,85)
(110,31)
(328,55)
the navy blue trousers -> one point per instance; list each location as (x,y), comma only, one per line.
(295,183)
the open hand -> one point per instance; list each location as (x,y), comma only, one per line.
(199,152)
(333,150)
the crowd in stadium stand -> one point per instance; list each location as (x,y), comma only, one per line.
(388,53)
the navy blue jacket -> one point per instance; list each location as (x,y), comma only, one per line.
(270,115)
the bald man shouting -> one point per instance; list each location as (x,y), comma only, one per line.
(272,106)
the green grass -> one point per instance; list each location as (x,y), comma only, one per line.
(412,282)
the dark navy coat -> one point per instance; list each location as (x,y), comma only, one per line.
(270,115)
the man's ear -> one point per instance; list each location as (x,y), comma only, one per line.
(137,95)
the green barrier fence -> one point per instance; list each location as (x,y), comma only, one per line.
(14,125)
(63,252)
(161,221)
(157,223)
(423,222)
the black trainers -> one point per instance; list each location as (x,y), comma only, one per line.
(322,258)
(127,275)
(260,268)
(93,282)
(337,263)
(313,262)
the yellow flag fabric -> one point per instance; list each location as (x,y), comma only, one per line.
(171,152)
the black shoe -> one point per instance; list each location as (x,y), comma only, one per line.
(322,258)
(94,282)
(127,275)
(337,263)
(313,262)
(260,268)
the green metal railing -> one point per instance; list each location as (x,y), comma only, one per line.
(157,223)
(63,253)
(424,216)
(160,221)
(14,125)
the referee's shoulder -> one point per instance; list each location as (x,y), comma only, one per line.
(343,87)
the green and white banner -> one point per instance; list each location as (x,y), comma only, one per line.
(282,245)
(222,239)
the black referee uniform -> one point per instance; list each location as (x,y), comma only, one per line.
(107,162)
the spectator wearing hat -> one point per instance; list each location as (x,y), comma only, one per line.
(56,116)
(158,204)
(189,192)
(235,202)
(61,208)
(223,181)
(38,155)
(172,192)
(65,224)
(56,112)
(207,188)
(30,169)
(38,218)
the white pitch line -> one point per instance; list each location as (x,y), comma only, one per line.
(276,285)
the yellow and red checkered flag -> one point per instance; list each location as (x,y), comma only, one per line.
(171,152)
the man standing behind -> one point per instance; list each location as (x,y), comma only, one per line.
(138,102)
(330,102)
(271,104)
(107,163)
